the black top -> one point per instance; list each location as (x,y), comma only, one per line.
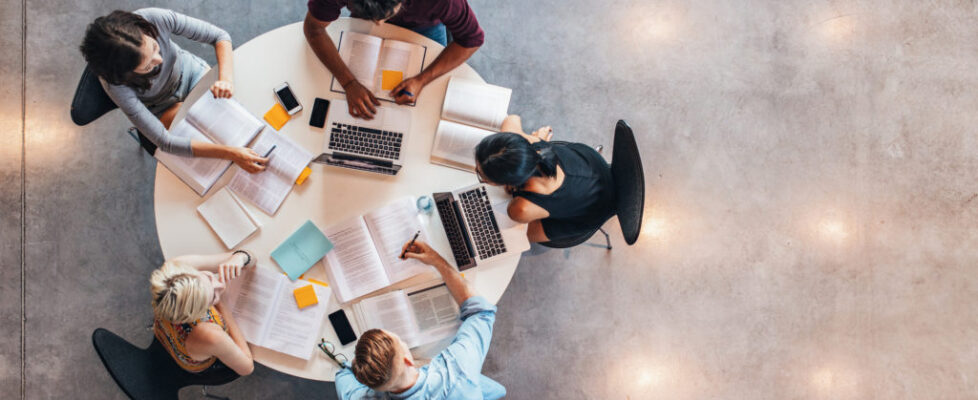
(586,198)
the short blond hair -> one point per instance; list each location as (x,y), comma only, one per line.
(373,363)
(178,293)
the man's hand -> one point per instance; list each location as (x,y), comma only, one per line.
(362,103)
(412,85)
(422,252)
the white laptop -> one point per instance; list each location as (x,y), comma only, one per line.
(374,145)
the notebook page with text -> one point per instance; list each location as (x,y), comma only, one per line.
(395,55)
(353,267)
(360,52)
(294,331)
(392,311)
(391,227)
(455,144)
(268,189)
(200,173)
(224,120)
(229,220)
(251,300)
(477,104)
(435,312)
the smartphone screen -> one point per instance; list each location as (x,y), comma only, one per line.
(287,98)
(318,118)
(342,327)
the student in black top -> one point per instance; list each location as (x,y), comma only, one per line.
(562,190)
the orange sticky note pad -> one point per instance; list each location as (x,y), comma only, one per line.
(302,177)
(390,79)
(305,296)
(277,116)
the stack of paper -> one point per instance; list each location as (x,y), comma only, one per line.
(229,219)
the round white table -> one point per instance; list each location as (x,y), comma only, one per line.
(330,194)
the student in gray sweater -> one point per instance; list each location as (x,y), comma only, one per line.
(148,75)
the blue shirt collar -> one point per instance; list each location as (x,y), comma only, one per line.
(422,376)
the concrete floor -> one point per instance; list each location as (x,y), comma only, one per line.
(811,201)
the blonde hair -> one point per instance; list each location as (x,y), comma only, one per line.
(178,293)
(373,363)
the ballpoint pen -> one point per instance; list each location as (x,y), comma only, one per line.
(410,244)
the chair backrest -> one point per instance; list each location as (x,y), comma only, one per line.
(626,169)
(147,373)
(90,101)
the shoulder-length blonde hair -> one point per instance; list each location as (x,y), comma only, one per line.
(179,296)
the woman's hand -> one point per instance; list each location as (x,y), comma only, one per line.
(222,89)
(545,133)
(231,268)
(247,159)
(422,252)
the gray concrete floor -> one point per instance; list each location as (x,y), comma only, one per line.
(811,182)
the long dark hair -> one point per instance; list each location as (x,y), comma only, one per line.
(112,48)
(509,159)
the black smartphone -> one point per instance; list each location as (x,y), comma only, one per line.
(342,327)
(318,118)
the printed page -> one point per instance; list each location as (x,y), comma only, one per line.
(252,298)
(435,312)
(392,311)
(224,120)
(360,52)
(455,144)
(477,104)
(391,227)
(227,218)
(398,57)
(294,331)
(268,189)
(353,267)
(200,173)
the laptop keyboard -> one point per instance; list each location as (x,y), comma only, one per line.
(365,141)
(485,232)
(456,238)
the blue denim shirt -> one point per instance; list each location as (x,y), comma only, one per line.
(452,374)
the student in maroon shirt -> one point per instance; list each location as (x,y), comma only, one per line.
(428,17)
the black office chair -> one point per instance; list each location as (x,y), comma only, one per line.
(91,103)
(627,172)
(149,373)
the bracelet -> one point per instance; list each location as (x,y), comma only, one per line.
(246,255)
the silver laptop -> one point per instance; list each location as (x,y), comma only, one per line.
(374,145)
(477,225)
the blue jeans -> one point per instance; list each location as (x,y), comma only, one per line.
(437,33)
(491,390)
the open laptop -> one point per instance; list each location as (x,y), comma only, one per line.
(374,145)
(477,225)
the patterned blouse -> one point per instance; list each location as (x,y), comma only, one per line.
(173,337)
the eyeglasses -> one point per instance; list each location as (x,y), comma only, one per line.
(330,350)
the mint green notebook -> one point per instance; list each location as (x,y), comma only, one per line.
(301,250)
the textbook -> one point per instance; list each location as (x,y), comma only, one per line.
(472,111)
(265,308)
(222,121)
(419,315)
(367,251)
(228,218)
(268,189)
(379,64)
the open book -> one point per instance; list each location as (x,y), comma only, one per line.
(267,189)
(262,302)
(418,316)
(367,251)
(222,121)
(379,64)
(471,111)
(229,219)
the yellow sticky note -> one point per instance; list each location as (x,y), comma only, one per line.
(390,79)
(305,296)
(318,282)
(302,176)
(277,116)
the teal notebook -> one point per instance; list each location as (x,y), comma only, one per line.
(301,250)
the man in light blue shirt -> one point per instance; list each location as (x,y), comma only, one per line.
(383,367)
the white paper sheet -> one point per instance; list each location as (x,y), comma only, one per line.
(353,267)
(268,189)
